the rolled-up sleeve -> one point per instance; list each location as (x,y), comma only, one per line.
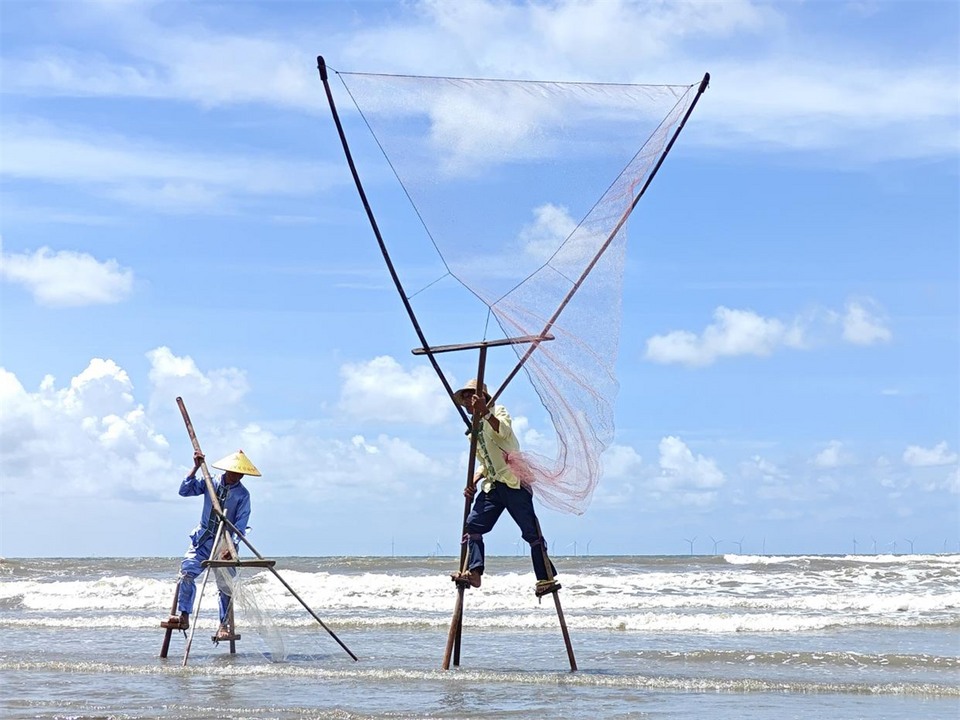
(191,486)
(505,437)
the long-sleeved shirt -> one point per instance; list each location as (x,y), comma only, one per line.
(236,506)
(491,449)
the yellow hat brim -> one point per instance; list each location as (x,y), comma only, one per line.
(237,462)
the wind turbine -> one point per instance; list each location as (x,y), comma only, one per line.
(715,543)
(944,546)
(439,549)
(874,544)
(391,547)
(894,543)
(574,546)
(911,543)
(691,543)
(739,544)
(764,550)
(516,546)
(854,544)
(588,546)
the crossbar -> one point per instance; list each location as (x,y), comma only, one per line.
(483,344)
(239,563)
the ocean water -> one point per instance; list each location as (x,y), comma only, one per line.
(737,636)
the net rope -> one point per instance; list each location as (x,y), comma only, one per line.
(523,188)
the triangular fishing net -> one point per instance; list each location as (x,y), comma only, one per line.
(253,606)
(524,189)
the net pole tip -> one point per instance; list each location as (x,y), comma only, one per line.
(705,82)
(322,67)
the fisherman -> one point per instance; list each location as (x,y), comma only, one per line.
(234,499)
(499,490)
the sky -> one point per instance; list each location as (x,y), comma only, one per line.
(178,219)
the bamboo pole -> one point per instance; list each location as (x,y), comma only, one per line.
(322,67)
(556,601)
(456,623)
(293,592)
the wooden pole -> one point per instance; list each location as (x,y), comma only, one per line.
(293,592)
(207,478)
(173,609)
(322,67)
(556,601)
(456,623)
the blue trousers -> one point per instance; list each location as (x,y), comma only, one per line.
(190,568)
(487,509)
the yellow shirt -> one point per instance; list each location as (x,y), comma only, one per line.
(491,446)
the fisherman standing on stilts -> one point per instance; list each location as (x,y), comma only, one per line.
(499,490)
(234,498)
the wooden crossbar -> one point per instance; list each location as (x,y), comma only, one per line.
(483,344)
(239,563)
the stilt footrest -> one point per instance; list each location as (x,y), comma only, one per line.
(239,563)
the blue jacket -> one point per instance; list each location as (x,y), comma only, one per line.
(236,506)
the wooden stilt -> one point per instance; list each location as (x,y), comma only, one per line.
(166,623)
(555,591)
(456,622)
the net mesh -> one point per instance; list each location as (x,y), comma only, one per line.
(524,189)
(253,606)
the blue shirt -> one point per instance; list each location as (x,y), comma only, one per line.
(236,506)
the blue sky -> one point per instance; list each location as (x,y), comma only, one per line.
(177,218)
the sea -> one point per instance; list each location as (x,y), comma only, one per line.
(720,637)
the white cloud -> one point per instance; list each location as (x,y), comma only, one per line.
(745,332)
(89,437)
(952,482)
(530,438)
(211,394)
(66,278)
(92,437)
(693,478)
(832,456)
(621,462)
(939,454)
(303,456)
(147,174)
(380,389)
(760,468)
(733,332)
(861,327)
(783,89)
(552,225)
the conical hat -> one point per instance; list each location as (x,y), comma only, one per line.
(237,462)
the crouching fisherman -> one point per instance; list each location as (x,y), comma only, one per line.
(499,490)
(234,499)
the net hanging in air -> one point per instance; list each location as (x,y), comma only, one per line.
(524,189)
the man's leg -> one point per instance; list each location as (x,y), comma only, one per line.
(190,569)
(484,515)
(226,578)
(519,503)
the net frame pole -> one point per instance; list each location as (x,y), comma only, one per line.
(283,582)
(322,67)
(456,622)
(563,303)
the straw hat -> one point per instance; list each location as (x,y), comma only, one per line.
(237,462)
(471,385)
